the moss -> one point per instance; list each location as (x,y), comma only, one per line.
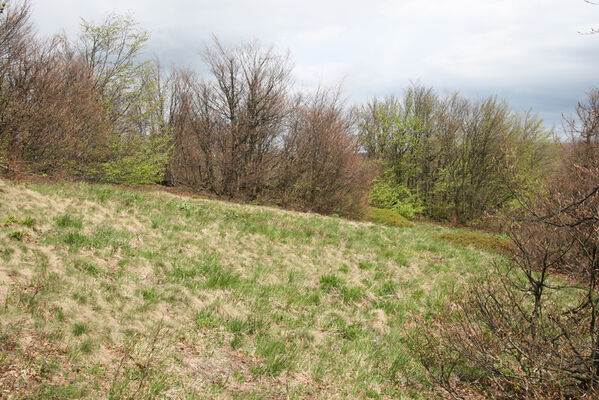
(388,217)
(491,244)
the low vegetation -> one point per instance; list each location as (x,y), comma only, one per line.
(388,217)
(493,244)
(111,293)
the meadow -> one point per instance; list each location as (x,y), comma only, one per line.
(108,292)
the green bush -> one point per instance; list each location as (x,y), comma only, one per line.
(388,217)
(394,196)
(143,167)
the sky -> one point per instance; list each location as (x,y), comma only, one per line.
(533,53)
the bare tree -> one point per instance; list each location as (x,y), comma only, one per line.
(50,118)
(233,120)
(195,160)
(250,88)
(321,168)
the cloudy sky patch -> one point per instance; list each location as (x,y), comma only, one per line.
(527,51)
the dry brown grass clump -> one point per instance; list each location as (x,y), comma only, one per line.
(491,244)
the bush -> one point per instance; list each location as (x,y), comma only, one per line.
(531,331)
(394,196)
(388,217)
(144,167)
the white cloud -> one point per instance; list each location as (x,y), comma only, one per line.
(528,50)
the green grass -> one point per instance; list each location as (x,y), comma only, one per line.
(68,221)
(122,294)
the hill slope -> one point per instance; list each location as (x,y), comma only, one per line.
(109,293)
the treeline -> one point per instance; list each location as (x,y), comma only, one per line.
(93,108)
(87,108)
(448,157)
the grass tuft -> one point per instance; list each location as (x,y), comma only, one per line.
(68,221)
(330,281)
(17,235)
(79,328)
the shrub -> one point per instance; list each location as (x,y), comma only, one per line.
(394,196)
(388,217)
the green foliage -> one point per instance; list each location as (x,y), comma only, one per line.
(131,91)
(10,220)
(452,158)
(113,50)
(28,222)
(145,166)
(388,217)
(17,235)
(394,196)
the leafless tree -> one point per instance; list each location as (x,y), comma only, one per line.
(195,160)
(249,89)
(321,168)
(49,115)
(233,120)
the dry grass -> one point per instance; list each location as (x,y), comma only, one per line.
(109,293)
(480,241)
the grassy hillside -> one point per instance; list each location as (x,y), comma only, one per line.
(109,293)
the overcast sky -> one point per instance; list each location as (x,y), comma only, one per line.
(529,52)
